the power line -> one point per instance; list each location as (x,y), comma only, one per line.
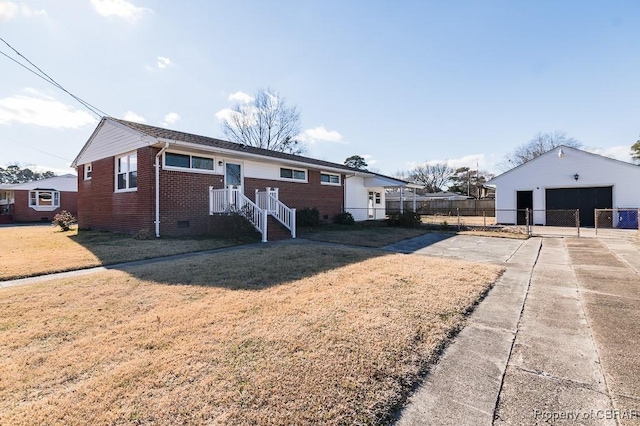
(43,75)
(52,81)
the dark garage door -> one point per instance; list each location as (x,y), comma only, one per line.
(585,199)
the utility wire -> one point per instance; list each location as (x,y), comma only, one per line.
(35,149)
(43,75)
(52,81)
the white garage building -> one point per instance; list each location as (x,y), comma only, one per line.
(565,178)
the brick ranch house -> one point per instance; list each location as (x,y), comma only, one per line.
(40,200)
(134,177)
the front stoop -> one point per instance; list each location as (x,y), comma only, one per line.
(276,231)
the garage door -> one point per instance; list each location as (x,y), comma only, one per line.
(585,199)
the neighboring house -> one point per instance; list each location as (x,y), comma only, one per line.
(134,177)
(565,178)
(40,200)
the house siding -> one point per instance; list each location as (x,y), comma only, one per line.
(112,138)
(552,172)
(358,200)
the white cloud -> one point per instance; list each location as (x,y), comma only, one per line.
(170,118)
(41,110)
(9,10)
(132,116)
(241,97)
(320,134)
(28,12)
(225,114)
(369,159)
(619,152)
(163,62)
(118,8)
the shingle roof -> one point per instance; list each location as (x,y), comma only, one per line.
(162,133)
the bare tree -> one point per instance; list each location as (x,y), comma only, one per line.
(434,177)
(538,145)
(265,122)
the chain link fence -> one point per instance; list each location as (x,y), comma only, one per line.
(619,218)
(608,222)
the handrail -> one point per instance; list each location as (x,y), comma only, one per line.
(232,200)
(283,214)
(269,200)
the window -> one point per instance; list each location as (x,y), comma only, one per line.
(44,199)
(127,172)
(329,179)
(375,197)
(293,174)
(186,161)
(88,168)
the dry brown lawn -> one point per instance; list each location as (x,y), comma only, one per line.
(499,233)
(36,250)
(283,334)
(452,220)
(366,236)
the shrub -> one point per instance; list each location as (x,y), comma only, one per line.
(405,220)
(345,218)
(308,217)
(64,220)
(239,226)
(144,234)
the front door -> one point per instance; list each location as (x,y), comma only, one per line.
(233,175)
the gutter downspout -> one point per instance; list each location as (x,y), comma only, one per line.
(344,191)
(157,221)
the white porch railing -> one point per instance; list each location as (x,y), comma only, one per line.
(269,200)
(232,200)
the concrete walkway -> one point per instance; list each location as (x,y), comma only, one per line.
(124,265)
(554,342)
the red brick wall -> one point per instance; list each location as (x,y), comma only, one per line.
(23,213)
(184,197)
(99,207)
(328,199)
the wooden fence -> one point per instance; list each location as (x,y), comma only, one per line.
(451,207)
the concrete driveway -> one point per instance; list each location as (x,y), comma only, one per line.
(556,341)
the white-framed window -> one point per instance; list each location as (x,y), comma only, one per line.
(329,178)
(127,172)
(375,197)
(44,199)
(188,162)
(293,174)
(88,168)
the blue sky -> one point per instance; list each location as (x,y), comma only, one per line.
(400,82)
